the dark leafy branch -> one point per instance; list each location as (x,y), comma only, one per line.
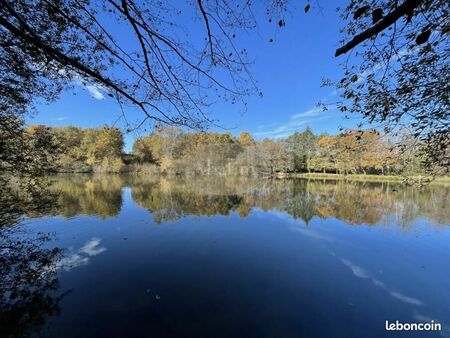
(406,8)
(397,75)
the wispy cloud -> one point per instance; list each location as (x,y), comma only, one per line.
(295,122)
(95,92)
(312,233)
(313,112)
(62,118)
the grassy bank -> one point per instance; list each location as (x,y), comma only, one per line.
(358,177)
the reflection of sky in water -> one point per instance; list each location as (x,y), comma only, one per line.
(80,257)
(218,270)
(362,273)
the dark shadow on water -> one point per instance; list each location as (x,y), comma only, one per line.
(28,283)
(28,267)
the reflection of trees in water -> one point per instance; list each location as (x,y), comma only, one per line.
(23,196)
(88,195)
(28,283)
(174,198)
(367,202)
(168,201)
(352,202)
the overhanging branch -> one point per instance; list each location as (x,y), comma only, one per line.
(404,9)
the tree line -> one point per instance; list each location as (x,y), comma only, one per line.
(350,152)
(170,150)
(40,149)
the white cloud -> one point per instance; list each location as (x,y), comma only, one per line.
(94,89)
(296,121)
(95,92)
(313,112)
(62,118)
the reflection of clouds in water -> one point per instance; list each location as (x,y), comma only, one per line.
(311,233)
(91,248)
(297,226)
(357,270)
(81,257)
(362,273)
(278,214)
(72,261)
(405,299)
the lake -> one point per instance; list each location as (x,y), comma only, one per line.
(229,257)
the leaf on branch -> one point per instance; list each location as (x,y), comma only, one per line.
(377,14)
(307,8)
(360,12)
(423,37)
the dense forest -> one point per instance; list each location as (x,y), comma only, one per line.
(170,150)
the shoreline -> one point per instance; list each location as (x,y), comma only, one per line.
(366,177)
(413,180)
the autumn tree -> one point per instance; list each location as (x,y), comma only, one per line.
(246,139)
(106,151)
(354,151)
(325,156)
(25,156)
(142,149)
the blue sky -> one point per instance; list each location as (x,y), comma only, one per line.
(289,72)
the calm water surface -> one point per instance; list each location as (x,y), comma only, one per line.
(151,257)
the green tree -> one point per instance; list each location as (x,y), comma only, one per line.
(301,148)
